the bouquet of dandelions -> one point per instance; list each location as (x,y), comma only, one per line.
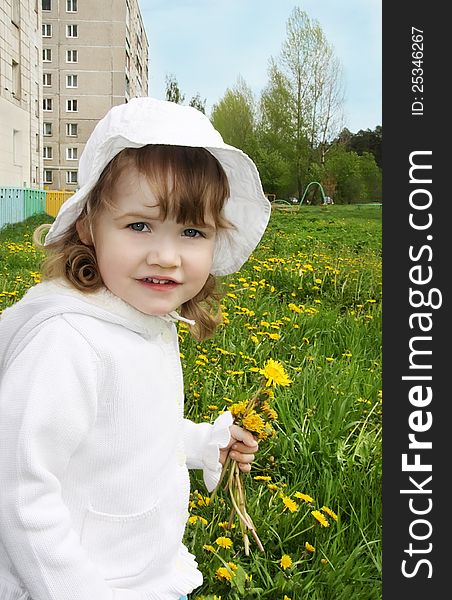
(256,415)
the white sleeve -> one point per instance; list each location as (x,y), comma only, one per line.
(48,403)
(202,445)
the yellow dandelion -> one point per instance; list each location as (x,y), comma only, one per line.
(285,561)
(304,497)
(269,411)
(286,597)
(329,512)
(224,542)
(320,518)
(272,487)
(203,500)
(253,422)
(192,520)
(290,504)
(294,308)
(233,566)
(275,374)
(309,548)
(324,561)
(209,548)
(262,478)
(238,408)
(223,574)
(226,525)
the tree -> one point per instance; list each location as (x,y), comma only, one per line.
(344,168)
(307,77)
(196,102)
(173,93)
(234,116)
(367,141)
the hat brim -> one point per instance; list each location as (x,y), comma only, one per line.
(247,208)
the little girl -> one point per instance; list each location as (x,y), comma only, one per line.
(94,448)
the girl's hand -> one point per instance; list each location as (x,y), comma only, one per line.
(241,448)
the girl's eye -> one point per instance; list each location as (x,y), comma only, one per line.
(138,227)
(193,233)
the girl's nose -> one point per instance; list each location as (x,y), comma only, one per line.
(164,253)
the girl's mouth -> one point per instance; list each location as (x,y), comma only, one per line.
(159,281)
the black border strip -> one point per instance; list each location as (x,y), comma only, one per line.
(417,190)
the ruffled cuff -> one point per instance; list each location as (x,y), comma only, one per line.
(219,438)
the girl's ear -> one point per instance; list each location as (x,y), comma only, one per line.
(83,231)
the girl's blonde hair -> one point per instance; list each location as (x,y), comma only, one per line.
(189,184)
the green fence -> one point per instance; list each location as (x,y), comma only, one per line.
(17,204)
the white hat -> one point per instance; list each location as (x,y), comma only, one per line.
(144,121)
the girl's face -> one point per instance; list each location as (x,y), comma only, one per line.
(153,264)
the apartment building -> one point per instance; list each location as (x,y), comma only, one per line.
(94,56)
(20,94)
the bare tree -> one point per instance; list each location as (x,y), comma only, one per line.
(311,75)
(198,103)
(173,93)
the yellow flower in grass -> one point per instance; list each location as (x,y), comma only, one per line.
(233,566)
(224,542)
(309,547)
(275,374)
(320,518)
(285,561)
(238,408)
(286,597)
(209,548)
(324,561)
(304,497)
(253,422)
(226,525)
(269,411)
(329,512)
(224,574)
(290,504)
(262,478)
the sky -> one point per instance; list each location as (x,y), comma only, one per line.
(208,44)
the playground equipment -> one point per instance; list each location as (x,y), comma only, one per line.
(321,191)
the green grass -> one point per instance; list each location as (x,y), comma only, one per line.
(310,297)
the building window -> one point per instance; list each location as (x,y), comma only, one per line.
(36,98)
(47,30)
(71,105)
(46,4)
(47,152)
(15,13)
(47,104)
(71,5)
(72,56)
(71,129)
(71,154)
(47,79)
(47,55)
(71,177)
(71,81)
(71,31)
(48,176)
(16,79)
(47,128)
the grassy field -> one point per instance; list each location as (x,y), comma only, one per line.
(309,297)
